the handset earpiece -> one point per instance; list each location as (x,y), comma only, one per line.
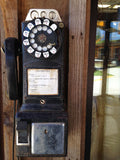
(11,46)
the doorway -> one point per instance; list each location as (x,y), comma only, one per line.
(105,131)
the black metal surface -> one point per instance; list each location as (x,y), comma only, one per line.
(53,62)
(46,107)
(22,125)
(22,136)
(11,51)
(13,141)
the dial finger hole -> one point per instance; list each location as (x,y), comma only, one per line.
(44,48)
(49,31)
(32,35)
(34,30)
(34,45)
(32,40)
(49,46)
(44,28)
(39,48)
(39,28)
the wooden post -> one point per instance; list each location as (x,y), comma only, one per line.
(79,21)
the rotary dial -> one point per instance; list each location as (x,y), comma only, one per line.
(40,37)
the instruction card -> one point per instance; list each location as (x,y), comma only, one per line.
(42,81)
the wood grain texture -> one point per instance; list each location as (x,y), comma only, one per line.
(73,14)
(9,28)
(1,106)
(78,62)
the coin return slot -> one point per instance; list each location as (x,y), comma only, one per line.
(47,138)
(22,138)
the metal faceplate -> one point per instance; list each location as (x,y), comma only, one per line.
(47,138)
(51,14)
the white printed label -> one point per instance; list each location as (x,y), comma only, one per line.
(53,50)
(30,26)
(26,33)
(46,54)
(30,50)
(26,42)
(37,54)
(37,21)
(54,27)
(42,81)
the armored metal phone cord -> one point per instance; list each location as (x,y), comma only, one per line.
(14,111)
(18,158)
(13,129)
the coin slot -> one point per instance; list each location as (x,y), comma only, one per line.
(43,14)
(34,14)
(52,15)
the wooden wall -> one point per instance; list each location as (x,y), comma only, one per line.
(76,16)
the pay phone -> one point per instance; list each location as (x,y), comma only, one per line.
(41,123)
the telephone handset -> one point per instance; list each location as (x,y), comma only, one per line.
(42,113)
(11,49)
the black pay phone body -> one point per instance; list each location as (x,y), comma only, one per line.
(41,123)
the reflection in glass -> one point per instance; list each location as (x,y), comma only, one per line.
(105,139)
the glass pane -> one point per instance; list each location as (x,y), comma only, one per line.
(105,134)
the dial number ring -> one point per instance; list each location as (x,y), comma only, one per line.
(42,38)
